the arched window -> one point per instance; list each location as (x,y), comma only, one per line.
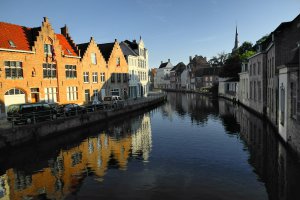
(14,91)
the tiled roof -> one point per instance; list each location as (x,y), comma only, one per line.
(21,36)
(106,50)
(66,45)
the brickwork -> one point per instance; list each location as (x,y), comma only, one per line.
(62,52)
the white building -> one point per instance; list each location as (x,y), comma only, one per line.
(137,59)
(185,78)
(162,78)
(243,93)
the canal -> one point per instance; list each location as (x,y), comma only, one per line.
(191,147)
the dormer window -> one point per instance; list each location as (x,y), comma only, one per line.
(12,44)
(69,52)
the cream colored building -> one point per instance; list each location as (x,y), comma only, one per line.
(137,58)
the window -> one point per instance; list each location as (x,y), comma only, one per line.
(48,49)
(71,71)
(259,90)
(112,79)
(50,95)
(293,100)
(95,95)
(282,104)
(14,91)
(254,69)
(93,58)
(254,91)
(11,43)
(13,69)
(87,95)
(49,70)
(102,77)
(95,77)
(258,68)
(119,77)
(118,61)
(251,89)
(250,69)
(72,93)
(86,77)
(125,78)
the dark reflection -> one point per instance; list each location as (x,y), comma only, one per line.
(204,149)
(274,165)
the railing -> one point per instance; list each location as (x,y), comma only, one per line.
(50,115)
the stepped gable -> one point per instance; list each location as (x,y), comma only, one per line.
(106,50)
(65,32)
(21,36)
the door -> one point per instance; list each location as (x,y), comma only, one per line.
(34,95)
(87,95)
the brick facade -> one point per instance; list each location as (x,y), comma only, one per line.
(50,67)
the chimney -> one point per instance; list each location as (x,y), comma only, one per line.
(190,58)
(45,19)
(161,62)
(169,60)
(64,30)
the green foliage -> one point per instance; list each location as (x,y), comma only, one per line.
(232,64)
(246,55)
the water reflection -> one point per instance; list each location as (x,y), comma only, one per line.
(204,149)
(92,157)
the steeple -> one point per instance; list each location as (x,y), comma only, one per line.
(236,42)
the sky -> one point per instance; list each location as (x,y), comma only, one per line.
(170,29)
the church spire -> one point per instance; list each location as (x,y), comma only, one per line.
(236,42)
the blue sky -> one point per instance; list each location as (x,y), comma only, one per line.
(172,29)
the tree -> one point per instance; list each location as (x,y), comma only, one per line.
(246,46)
(218,60)
(231,67)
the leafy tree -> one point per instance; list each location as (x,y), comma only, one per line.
(246,46)
(218,60)
(231,67)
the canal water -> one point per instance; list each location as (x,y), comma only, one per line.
(191,147)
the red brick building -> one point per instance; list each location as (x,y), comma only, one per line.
(36,64)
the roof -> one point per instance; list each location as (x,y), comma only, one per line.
(207,71)
(66,45)
(163,65)
(83,47)
(133,45)
(106,50)
(179,68)
(21,36)
(127,51)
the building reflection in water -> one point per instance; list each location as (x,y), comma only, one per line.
(274,165)
(92,157)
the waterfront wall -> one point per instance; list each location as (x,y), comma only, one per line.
(22,134)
